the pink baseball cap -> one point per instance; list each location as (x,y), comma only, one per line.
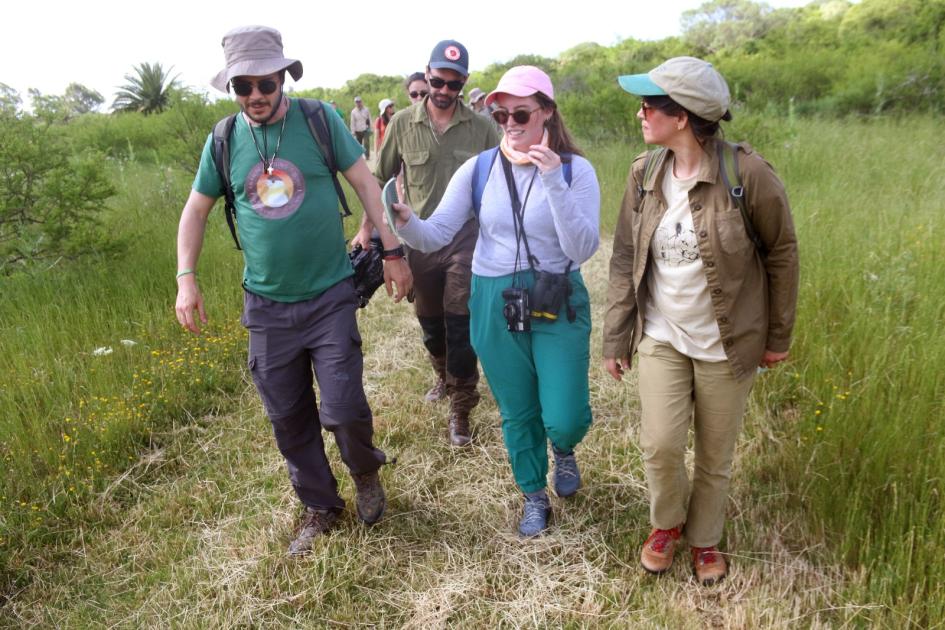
(522,81)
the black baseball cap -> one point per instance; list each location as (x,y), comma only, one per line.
(450,55)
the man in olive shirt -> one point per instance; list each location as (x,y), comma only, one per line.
(431,140)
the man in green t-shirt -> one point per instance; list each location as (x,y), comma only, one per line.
(299,299)
(432,139)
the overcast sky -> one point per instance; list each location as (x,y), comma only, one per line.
(47,45)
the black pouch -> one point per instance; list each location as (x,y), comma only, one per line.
(368,270)
(551,290)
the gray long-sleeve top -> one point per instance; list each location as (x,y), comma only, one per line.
(562,224)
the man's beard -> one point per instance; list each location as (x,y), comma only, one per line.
(442,101)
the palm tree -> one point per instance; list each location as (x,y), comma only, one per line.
(147,91)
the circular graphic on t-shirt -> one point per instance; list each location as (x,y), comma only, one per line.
(276,194)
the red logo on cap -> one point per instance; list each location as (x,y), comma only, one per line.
(452,53)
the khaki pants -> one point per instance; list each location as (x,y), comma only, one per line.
(674,391)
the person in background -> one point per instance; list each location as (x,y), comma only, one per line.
(416,86)
(477,102)
(539,220)
(361,125)
(704,292)
(430,140)
(299,301)
(335,106)
(385,113)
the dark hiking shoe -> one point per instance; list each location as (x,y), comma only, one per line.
(370,498)
(567,475)
(459,429)
(535,515)
(315,523)
(437,392)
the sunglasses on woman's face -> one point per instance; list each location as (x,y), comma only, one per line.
(646,108)
(419,94)
(521,116)
(245,88)
(454,86)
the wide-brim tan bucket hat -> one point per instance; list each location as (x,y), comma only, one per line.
(254,51)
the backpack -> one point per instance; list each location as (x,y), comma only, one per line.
(314,111)
(483,167)
(728,166)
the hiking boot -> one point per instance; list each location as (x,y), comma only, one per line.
(369,498)
(709,565)
(567,475)
(459,429)
(437,392)
(314,523)
(657,554)
(535,515)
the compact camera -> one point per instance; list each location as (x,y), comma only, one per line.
(516,310)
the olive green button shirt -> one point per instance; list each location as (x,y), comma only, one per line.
(753,298)
(429,159)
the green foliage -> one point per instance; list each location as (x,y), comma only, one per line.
(50,199)
(148,90)
(728,24)
(10,100)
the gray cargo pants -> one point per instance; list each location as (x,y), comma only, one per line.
(287,342)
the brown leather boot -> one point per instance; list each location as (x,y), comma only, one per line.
(438,391)
(709,565)
(459,428)
(657,553)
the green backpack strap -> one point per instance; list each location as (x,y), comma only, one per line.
(728,166)
(654,159)
(318,125)
(221,159)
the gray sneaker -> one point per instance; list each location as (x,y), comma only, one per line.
(535,515)
(314,523)
(567,475)
(370,498)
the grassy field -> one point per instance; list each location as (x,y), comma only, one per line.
(142,486)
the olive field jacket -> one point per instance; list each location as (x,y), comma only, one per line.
(753,297)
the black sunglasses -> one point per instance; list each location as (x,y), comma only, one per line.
(419,94)
(521,116)
(245,88)
(454,86)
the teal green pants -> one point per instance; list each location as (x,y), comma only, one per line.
(538,378)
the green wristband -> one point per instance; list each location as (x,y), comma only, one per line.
(184,272)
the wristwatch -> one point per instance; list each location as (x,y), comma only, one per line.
(394,254)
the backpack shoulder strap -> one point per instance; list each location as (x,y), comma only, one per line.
(481,170)
(221,159)
(728,167)
(318,125)
(483,167)
(566,167)
(651,164)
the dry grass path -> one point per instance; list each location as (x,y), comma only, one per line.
(194,534)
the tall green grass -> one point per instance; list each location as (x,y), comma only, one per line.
(867,379)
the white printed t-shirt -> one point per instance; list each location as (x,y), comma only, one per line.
(680,310)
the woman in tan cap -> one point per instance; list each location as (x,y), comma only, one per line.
(703,286)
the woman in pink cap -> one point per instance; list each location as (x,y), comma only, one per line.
(538,204)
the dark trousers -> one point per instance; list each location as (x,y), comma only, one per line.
(441,291)
(287,342)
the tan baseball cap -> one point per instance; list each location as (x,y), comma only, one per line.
(691,82)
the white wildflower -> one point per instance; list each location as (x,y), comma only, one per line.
(101,352)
